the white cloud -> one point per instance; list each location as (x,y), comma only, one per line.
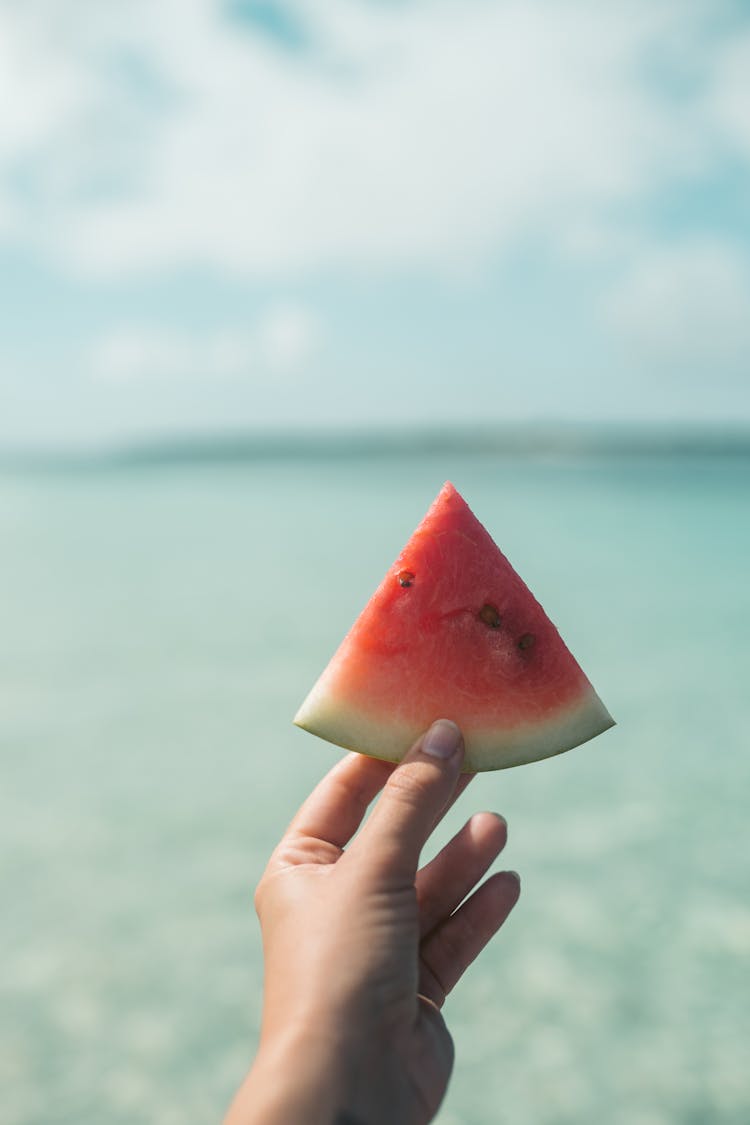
(687,304)
(288,337)
(420,136)
(134,353)
(41,89)
(283,341)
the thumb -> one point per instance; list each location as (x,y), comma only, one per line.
(412,800)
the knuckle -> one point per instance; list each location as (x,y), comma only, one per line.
(449,948)
(465,934)
(409,785)
(456,943)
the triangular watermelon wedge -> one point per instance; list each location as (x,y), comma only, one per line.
(453,632)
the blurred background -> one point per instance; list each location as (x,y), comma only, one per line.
(269,274)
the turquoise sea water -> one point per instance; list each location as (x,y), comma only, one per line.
(158,628)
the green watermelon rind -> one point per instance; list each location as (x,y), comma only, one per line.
(332,719)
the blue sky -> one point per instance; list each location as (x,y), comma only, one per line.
(236,214)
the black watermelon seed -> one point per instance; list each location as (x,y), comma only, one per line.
(489,615)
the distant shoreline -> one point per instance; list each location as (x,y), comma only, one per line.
(513,441)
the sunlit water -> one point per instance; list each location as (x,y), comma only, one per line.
(158,628)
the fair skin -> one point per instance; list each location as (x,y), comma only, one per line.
(362,946)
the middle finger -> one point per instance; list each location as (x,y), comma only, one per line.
(445,882)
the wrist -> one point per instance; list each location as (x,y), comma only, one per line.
(297,1078)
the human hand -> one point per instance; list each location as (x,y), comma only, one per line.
(361,948)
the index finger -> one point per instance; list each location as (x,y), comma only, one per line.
(334,810)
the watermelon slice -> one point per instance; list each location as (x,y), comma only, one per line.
(453,632)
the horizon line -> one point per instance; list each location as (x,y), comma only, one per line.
(511,439)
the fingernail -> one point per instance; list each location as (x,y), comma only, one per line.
(442,739)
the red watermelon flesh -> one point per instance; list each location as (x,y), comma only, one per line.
(453,632)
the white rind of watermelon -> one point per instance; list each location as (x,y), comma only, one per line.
(326,715)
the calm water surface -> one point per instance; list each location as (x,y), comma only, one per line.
(158,628)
